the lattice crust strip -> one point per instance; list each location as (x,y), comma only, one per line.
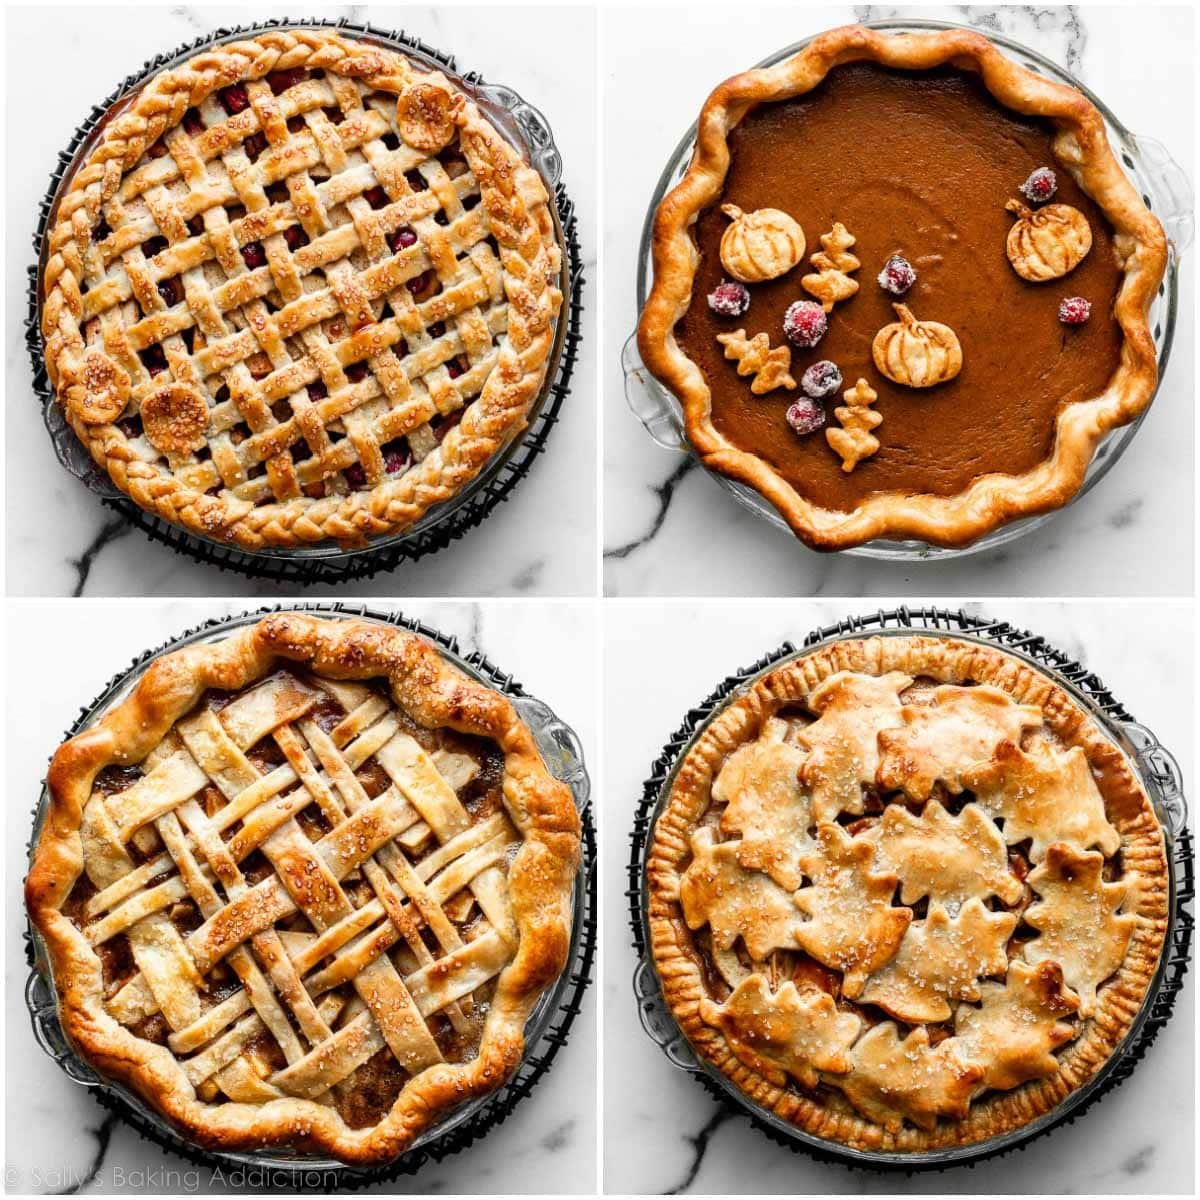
(301,289)
(306,884)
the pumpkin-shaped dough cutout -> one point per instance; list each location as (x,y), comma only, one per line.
(1047,243)
(760,245)
(917,354)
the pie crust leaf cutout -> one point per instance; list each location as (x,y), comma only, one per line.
(940,959)
(1047,243)
(948,858)
(831,282)
(427,116)
(1018,1026)
(760,245)
(174,419)
(1078,920)
(760,787)
(754,356)
(1044,795)
(717,891)
(843,741)
(855,441)
(852,924)
(940,740)
(917,354)
(788,1032)
(892,1079)
(102,391)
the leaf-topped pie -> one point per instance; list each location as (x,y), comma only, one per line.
(916,149)
(905,893)
(301,288)
(303,887)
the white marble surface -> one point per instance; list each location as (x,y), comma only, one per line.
(662,1131)
(58,1137)
(62,540)
(1131,536)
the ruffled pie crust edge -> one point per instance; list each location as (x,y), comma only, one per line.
(991,500)
(436,694)
(946,660)
(526,235)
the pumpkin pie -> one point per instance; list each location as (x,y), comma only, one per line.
(898,213)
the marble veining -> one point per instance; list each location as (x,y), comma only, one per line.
(60,1140)
(664,1132)
(63,541)
(669,532)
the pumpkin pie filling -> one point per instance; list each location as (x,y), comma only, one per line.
(919,164)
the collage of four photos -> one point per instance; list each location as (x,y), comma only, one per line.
(600,600)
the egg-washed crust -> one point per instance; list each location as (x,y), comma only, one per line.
(1081,146)
(436,695)
(946,660)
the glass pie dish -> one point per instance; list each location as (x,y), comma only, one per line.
(548,1019)
(1161,184)
(1155,771)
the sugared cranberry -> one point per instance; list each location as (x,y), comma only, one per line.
(253,255)
(1074,310)
(1040,186)
(805,416)
(821,379)
(729,299)
(355,476)
(234,99)
(804,323)
(401,239)
(897,276)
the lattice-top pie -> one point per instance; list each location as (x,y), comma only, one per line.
(301,288)
(303,887)
(906,894)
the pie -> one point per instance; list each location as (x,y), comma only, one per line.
(905,894)
(303,887)
(299,289)
(899,213)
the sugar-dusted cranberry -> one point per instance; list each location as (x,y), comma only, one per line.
(729,299)
(897,276)
(355,476)
(806,416)
(821,379)
(401,239)
(234,99)
(253,255)
(1074,310)
(1040,186)
(805,323)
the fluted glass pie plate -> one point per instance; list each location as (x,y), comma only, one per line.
(520,123)
(1159,180)
(1153,765)
(560,748)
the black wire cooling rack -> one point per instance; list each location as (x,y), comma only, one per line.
(270,1171)
(313,565)
(1176,953)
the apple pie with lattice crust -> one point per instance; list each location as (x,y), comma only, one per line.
(906,894)
(303,887)
(300,289)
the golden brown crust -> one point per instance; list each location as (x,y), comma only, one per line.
(520,222)
(992,500)
(435,694)
(947,660)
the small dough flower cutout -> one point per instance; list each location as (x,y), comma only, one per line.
(833,261)
(1048,243)
(917,354)
(754,356)
(427,116)
(760,245)
(102,392)
(855,441)
(174,419)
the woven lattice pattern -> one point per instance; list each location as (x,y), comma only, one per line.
(301,894)
(311,302)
